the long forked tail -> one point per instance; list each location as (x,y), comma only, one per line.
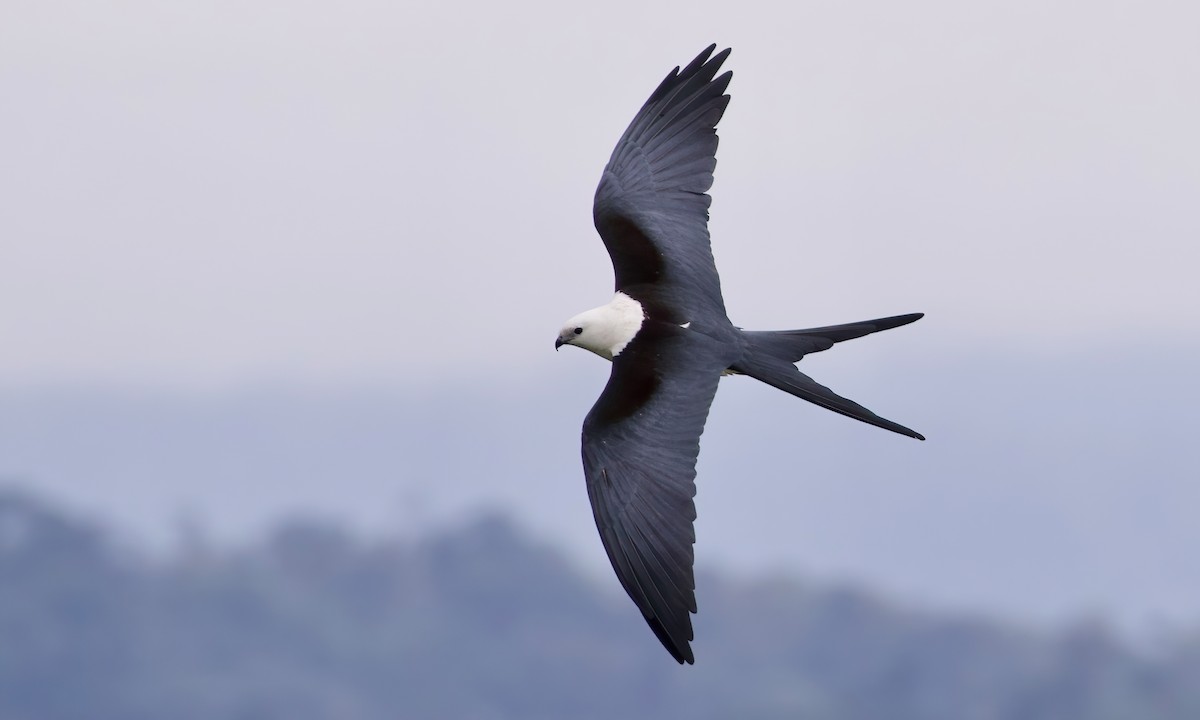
(771,356)
(791,345)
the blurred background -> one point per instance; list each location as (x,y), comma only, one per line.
(282,435)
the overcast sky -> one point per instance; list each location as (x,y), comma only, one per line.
(201,193)
(217,197)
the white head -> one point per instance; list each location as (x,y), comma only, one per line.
(605,330)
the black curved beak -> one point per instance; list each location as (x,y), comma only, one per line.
(558,342)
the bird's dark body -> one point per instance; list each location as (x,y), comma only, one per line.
(641,439)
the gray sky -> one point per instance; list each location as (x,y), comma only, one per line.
(210,198)
(200,193)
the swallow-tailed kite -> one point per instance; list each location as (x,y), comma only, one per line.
(670,341)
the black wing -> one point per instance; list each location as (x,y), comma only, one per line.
(640,443)
(651,207)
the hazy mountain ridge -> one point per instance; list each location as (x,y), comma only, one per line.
(1046,483)
(482,622)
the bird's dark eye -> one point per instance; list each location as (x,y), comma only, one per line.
(578,331)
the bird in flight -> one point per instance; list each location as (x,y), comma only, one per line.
(670,341)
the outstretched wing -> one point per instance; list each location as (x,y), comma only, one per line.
(651,207)
(640,443)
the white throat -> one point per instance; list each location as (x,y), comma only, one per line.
(611,327)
